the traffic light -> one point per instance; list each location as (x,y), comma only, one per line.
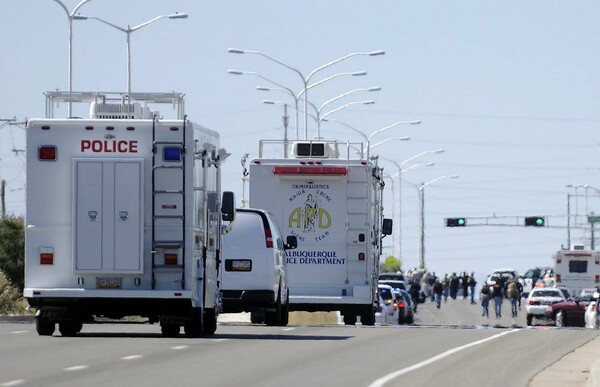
(456,222)
(536,221)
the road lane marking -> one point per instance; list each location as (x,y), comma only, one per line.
(18,332)
(219,339)
(132,357)
(13,383)
(288,329)
(76,368)
(179,347)
(381,381)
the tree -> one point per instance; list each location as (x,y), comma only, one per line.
(10,298)
(391,264)
(12,250)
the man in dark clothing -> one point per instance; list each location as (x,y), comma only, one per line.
(471,282)
(438,289)
(414,291)
(465,284)
(453,286)
(498,294)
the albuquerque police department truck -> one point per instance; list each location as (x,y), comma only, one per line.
(333,207)
(124,215)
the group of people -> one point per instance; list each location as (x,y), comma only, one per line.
(498,289)
(429,285)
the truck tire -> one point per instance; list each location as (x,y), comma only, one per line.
(44,327)
(210,322)
(193,328)
(368,315)
(274,318)
(169,330)
(285,312)
(257,317)
(349,318)
(70,327)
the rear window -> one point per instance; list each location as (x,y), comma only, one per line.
(578,266)
(547,293)
(386,294)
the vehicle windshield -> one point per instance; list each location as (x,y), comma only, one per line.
(547,293)
(395,284)
(386,293)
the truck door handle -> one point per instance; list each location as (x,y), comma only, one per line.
(92,216)
(123,216)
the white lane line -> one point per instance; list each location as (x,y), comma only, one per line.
(219,339)
(132,357)
(13,383)
(288,329)
(18,332)
(381,381)
(76,368)
(179,347)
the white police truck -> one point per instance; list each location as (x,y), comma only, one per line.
(333,207)
(124,215)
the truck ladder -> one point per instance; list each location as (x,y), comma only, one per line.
(159,164)
(357,223)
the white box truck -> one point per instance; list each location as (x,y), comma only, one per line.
(124,215)
(577,269)
(333,207)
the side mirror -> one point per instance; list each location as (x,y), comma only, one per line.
(291,242)
(386,228)
(228,206)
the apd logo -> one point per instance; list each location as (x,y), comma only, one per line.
(309,220)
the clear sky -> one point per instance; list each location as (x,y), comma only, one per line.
(508,88)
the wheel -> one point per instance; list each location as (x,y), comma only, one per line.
(400,318)
(285,312)
(411,319)
(368,315)
(70,327)
(274,318)
(44,327)
(349,318)
(193,328)
(529,319)
(559,319)
(210,322)
(257,317)
(169,330)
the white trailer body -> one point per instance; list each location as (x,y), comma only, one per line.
(577,270)
(333,207)
(123,218)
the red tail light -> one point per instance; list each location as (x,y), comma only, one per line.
(532,302)
(47,153)
(395,307)
(401,304)
(46,259)
(361,256)
(558,278)
(268,237)
(170,259)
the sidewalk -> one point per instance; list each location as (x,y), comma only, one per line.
(578,368)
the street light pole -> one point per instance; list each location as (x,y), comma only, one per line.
(306,79)
(128,31)
(71,16)
(422,216)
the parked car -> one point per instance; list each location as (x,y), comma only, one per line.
(540,298)
(591,312)
(254,272)
(531,278)
(391,277)
(406,311)
(568,313)
(389,300)
(395,284)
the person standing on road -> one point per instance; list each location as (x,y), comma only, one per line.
(438,289)
(484,296)
(453,286)
(465,284)
(446,286)
(513,296)
(414,291)
(471,282)
(498,294)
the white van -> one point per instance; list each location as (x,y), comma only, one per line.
(254,273)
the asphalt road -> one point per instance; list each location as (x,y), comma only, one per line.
(449,345)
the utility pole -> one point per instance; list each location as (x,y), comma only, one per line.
(2,191)
(285,131)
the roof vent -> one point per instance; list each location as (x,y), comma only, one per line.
(312,149)
(578,247)
(120,111)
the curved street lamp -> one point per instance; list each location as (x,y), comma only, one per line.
(129,30)
(305,79)
(422,212)
(71,16)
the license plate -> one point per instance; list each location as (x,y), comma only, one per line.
(238,265)
(109,282)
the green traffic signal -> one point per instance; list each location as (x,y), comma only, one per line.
(456,222)
(536,221)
